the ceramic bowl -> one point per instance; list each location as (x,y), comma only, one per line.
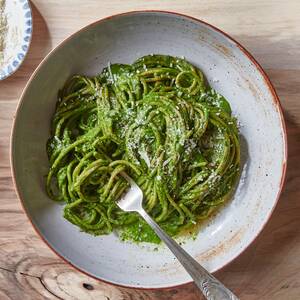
(230,69)
(17,15)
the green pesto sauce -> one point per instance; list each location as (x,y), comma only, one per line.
(160,122)
(139,232)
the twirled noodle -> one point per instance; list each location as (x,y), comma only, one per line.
(156,120)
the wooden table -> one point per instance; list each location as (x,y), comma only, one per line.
(270,267)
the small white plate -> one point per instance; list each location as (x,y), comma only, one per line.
(18,17)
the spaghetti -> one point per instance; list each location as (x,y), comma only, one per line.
(158,121)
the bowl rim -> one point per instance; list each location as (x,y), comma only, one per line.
(267,81)
(28,43)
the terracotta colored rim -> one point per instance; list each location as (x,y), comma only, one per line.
(252,59)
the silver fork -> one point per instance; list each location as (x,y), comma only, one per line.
(211,287)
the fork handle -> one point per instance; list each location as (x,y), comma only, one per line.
(211,287)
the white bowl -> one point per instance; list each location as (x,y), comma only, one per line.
(230,69)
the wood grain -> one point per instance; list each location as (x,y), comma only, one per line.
(270,267)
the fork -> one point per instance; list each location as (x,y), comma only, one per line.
(210,286)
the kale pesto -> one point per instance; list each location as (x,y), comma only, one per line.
(158,121)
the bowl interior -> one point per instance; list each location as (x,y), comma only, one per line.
(124,38)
